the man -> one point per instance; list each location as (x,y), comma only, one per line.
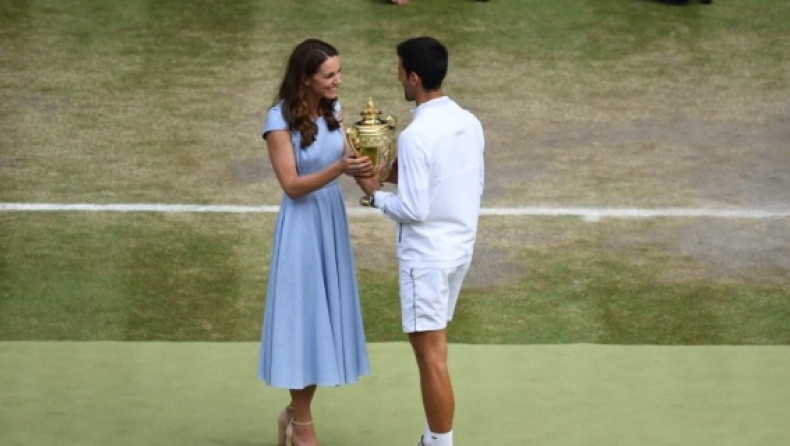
(439,173)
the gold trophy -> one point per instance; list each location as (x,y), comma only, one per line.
(376,139)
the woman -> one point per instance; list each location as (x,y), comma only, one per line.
(312,327)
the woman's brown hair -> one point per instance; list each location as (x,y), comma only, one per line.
(304,62)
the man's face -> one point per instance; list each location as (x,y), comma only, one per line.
(406,81)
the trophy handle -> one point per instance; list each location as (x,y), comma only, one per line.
(352,136)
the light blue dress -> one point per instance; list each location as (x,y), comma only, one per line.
(312,325)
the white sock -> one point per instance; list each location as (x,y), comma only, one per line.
(445,439)
(426,436)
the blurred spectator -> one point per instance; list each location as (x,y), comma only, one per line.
(403,2)
(684,2)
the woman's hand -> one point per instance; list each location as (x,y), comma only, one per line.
(356,166)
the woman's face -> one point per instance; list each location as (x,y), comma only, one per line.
(325,82)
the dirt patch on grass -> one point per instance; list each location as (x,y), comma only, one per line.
(662,162)
(736,249)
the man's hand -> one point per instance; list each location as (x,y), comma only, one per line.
(372,183)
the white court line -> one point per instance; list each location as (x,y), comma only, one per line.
(589,214)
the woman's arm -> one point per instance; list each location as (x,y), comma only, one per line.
(281,155)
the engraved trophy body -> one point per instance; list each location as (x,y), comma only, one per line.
(376,139)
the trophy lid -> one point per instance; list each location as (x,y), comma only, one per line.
(370,119)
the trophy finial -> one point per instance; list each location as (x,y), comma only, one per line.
(370,114)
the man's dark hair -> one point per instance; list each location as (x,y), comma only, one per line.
(427,57)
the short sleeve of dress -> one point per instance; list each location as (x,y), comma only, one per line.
(274,120)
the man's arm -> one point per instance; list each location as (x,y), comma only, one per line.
(411,203)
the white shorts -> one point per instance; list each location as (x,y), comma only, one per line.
(428,296)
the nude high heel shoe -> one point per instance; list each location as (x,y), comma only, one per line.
(283,421)
(289,430)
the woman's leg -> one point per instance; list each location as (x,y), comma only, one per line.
(302,429)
